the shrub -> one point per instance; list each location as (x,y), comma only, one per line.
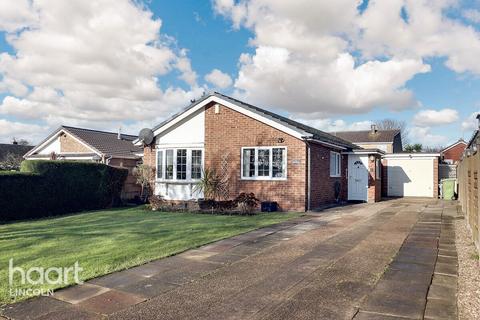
(247,202)
(156,203)
(47,188)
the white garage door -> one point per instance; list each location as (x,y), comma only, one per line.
(410,177)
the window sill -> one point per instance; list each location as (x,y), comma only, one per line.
(176,181)
(263,179)
(335,176)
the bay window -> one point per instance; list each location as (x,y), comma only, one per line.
(182,164)
(264,163)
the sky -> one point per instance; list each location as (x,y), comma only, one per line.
(335,65)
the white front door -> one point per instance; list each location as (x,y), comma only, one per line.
(358,177)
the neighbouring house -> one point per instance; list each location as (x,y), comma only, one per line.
(278,159)
(389,141)
(79,144)
(15,151)
(453,153)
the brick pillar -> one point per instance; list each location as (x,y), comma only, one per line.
(374,184)
(384,178)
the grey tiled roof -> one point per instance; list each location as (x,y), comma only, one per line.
(16,149)
(105,143)
(367,136)
(306,131)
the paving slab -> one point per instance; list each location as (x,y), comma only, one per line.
(34,308)
(438,291)
(71,312)
(79,293)
(450,269)
(110,302)
(439,309)
(117,280)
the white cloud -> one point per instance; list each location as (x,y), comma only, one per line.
(219,79)
(472,15)
(30,132)
(470,123)
(326,57)
(424,136)
(16,14)
(89,62)
(432,117)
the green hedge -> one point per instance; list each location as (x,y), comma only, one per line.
(47,188)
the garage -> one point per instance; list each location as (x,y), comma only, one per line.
(412,175)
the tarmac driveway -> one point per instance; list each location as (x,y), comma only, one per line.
(390,260)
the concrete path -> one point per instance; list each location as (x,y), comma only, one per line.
(390,260)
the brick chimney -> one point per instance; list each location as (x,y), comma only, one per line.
(478,118)
(374,129)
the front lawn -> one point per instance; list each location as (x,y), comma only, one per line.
(111,240)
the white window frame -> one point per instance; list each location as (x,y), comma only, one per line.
(337,158)
(189,164)
(270,176)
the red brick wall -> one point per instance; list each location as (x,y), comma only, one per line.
(130,188)
(150,159)
(322,185)
(454,153)
(374,184)
(228,131)
(384,183)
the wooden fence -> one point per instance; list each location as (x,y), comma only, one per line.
(468,193)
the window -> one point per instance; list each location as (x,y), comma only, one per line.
(169,165)
(378,167)
(278,163)
(335,164)
(179,164)
(196,164)
(160,164)
(248,163)
(264,163)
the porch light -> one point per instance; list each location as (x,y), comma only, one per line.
(372,158)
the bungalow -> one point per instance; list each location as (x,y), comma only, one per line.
(389,141)
(79,144)
(278,159)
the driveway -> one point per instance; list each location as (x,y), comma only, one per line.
(390,260)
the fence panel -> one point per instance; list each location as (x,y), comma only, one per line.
(468,193)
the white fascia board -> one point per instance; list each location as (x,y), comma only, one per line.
(411,155)
(365,152)
(276,125)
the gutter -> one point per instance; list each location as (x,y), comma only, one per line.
(310,139)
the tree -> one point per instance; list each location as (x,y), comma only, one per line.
(144,175)
(11,162)
(392,124)
(21,142)
(436,149)
(417,147)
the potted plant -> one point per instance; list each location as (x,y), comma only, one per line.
(210,185)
